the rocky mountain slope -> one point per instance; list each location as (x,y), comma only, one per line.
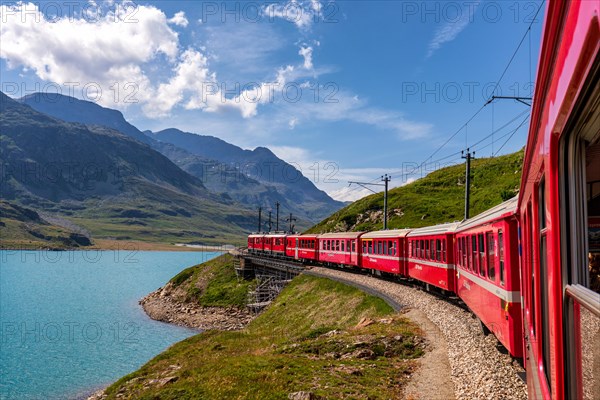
(107,182)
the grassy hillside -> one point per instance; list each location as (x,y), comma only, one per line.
(309,339)
(212,284)
(436,198)
(24,228)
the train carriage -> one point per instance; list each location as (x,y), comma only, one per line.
(431,255)
(256,242)
(340,248)
(274,243)
(302,247)
(559,200)
(487,272)
(384,251)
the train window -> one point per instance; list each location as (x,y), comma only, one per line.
(343,245)
(438,250)
(354,246)
(459,258)
(370,250)
(426,249)
(364,250)
(468,253)
(474,254)
(481,255)
(544,290)
(532,293)
(490,258)
(444,255)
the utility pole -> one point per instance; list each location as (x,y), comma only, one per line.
(270,222)
(277,219)
(468,157)
(259,219)
(290,220)
(385,179)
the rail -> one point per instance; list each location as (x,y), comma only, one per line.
(585,297)
(583,354)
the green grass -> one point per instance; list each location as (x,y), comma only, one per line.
(280,352)
(22,228)
(213,284)
(436,198)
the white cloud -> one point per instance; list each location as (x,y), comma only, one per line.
(450,30)
(293,122)
(348,193)
(345,106)
(179,19)
(301,13)
(97,52)
(190,76)
(306,52)
(70,48)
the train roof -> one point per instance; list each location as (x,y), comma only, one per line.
(502,210)
(279,234)
(256,235)
(392,233)
(341,235)
(434,230)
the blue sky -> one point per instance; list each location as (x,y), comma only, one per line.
(347,90)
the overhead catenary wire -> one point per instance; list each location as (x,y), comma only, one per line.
(505,125)
(465,125)
(512,134)
(527,32)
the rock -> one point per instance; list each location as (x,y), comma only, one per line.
(364,322)
(303,396)
(167,380)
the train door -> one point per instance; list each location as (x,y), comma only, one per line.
(351,249)
(579,158)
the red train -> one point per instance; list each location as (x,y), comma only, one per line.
(529,268)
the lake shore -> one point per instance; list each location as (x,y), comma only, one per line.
(117,245)
(168,304)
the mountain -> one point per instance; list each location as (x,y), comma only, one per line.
(433,199)
(251,178)
(71,109)
(250,167)
(109,183)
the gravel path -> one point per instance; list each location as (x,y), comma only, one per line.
(478,370)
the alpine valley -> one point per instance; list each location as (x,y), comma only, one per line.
(74,172)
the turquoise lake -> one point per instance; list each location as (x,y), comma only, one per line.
(70,321)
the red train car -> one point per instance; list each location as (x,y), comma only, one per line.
(256,242)
(488,279)
(274,243)
(302,247)
(384,251)
(559,202)
(431,255)
(340,248)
